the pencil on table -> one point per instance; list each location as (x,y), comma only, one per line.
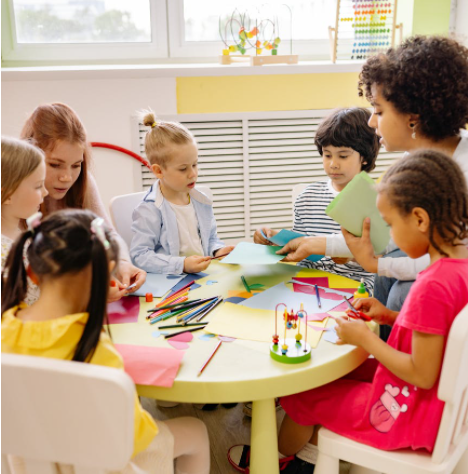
(209,358)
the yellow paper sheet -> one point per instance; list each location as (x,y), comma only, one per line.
(334,281)
(255,324)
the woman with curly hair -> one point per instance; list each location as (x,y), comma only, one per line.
(419,92)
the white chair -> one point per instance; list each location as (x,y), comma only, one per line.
(121,209)
(451,449)
(56,411)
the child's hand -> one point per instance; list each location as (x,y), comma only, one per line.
(259,239)
(351,332)
(116,291)
(222,252)
(361,247)
(196,263)
(376,310)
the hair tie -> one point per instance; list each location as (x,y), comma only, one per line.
(97,228)
(154,124)
(34,221)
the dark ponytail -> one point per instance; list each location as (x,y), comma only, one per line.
(14,281)
(64,243)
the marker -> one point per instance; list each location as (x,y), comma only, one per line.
(318,296)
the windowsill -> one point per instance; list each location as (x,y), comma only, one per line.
(172,70)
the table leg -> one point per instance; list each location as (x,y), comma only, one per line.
(264,438)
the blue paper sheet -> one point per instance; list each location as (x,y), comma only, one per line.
(284,236)
(268,299)
(158,284)
(247,253)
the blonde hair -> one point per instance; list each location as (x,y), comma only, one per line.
(162,136)
(19,160)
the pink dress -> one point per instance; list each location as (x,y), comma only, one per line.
(373,406)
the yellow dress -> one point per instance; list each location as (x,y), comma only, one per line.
(58,339)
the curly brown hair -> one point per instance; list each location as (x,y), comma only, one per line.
(427,76)
(349,128)
(434,182)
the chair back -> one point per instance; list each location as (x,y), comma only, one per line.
(56,411)
(121,209)
(453,390)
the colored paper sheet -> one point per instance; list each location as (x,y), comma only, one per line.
(158,284)
(234,299)
(331,336)
(187,279)
(247,253)
(146,365)
(282,294)
(284,236)
(356,202)
(236,321)
(334,281)
(126,310)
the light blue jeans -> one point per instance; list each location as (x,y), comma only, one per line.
(391,292)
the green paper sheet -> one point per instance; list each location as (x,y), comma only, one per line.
(247,253)
(356,202)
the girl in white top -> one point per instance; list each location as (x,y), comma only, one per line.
(23,191)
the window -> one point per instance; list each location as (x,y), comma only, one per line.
(96,31)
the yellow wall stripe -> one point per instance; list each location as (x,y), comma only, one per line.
(263,93)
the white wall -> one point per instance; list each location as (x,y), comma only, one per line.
(105,106)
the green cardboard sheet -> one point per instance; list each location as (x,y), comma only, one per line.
(356,202)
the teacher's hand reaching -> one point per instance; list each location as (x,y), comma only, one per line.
(299,249)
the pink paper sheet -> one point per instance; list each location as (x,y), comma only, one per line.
(321,281)
(126,310)
(146,365)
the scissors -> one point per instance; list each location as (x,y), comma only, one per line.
(354,313)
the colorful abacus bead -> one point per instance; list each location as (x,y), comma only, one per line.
(298,337)
(275,339)
(284,349)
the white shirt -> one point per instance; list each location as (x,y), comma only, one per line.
(189,235)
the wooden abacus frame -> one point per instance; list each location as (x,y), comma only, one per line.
(333,32)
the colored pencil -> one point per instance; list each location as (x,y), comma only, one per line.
(167,336)
(171,299)
(220,256)
(318,296)
(245,284)
(175,326)
(196,311)
(201,316)
(209,358)
(165,316)
(186,304)
(157,311)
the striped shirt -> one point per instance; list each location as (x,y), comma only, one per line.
(310,219)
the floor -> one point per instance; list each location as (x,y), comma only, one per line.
(227,426)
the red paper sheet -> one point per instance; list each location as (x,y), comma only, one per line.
(146,365)
(126,310)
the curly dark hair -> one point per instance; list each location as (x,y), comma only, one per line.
(433,181)
(349,128)
(427,76)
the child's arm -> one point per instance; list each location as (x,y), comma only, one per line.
(146,239)
(420,368)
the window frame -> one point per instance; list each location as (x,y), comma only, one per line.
(14,52)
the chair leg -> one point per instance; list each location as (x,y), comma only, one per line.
(462,466)
(327,465)
(355,469)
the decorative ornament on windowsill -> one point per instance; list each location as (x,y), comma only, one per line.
(253,38)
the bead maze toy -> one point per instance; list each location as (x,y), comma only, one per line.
(293,350)
(243,35)
(363,28)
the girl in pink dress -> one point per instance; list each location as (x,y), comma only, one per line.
(391,402)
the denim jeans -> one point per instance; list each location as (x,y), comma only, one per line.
(391,292)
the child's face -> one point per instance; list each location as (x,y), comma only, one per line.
(27,198)
(63,168)
(341,164)
(408,232)
(390,124)
(181,172)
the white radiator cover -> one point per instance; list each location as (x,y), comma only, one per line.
(251,161)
